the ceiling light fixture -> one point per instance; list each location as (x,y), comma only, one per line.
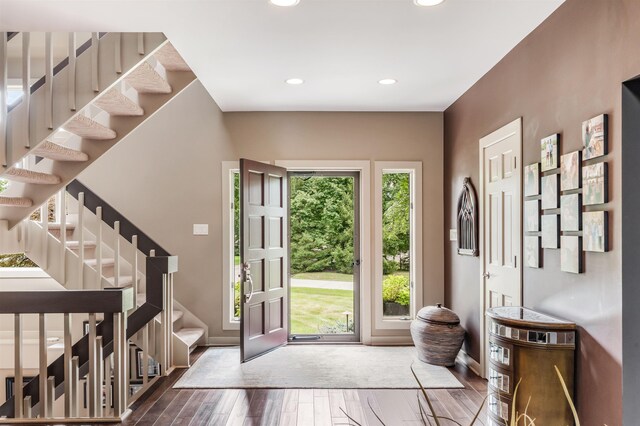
(294,81)
(427,2)
(388,81)
(284,3)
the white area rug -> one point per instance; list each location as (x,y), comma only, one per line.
(319,367)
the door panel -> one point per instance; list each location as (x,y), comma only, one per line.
(501,204)
(263,240)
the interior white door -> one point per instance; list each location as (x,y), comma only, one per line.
(501,206)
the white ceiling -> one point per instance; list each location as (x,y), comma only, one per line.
(243,50)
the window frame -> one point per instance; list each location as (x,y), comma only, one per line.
(228,170)
(414,169)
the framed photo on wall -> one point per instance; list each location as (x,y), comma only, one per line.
(532,215)
(532,251)
(595,187)
(532,180)
(595,231)
(571,254)
(595,137)
(570,176)
(550,192)
(550,231)
(153,369)
(549,152)
(570,217)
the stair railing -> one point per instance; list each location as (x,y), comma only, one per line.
(29,127)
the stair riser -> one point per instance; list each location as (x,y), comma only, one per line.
(89,252)
(57,233)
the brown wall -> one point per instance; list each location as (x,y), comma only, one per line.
(568,70)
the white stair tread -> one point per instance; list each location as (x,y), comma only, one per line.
(57,226)
(177,315)
(53,151)
(15,201)
(190,335)
(146,80)
(170,59)
(123,281)
(116,103)
(107,261)
(29,176)
(74,245)
(85,127)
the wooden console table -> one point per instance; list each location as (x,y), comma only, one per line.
(525,345)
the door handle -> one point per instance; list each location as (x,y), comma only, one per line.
(246,272)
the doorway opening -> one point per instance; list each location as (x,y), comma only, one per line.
(324,256)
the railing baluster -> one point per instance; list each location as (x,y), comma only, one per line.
(145,354)
(134,270)
(118,52)
(51,395)
(91,382)
(99,246)
(68,347)
(81,236)
(72,71)
(26,407)
(100,376)
(75,379)
(95,45)
(108,373)
(26,85)
(43,362)
(44,217)
(119,362)
(48,79)
(170,314)
(165,326)
(116,254)
(63,233)
(17,384)
(141,43)
(4,144)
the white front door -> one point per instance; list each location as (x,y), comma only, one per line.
(500,229)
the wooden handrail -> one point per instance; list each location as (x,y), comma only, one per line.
(67,301)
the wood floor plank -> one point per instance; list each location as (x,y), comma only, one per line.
(336,403)
(305,395)
(185,415)
(305,414)
(321,410)
(289,410)
(173,409)
(206,410)
(240,408)
(354,407)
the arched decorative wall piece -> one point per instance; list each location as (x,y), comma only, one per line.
(467,220)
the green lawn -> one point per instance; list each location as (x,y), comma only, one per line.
(332,276)
(312,308)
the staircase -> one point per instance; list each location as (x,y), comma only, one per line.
(105,89)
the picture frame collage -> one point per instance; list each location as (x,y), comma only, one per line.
(562,199)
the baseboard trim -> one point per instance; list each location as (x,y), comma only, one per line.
(471,363)
(223,341)
(391,341)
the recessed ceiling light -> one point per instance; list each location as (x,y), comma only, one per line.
(294,81)
(387,81)
(427,2)
(284,2)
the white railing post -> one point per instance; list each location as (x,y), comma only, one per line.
(116,254)
(100,378)
(75,380)
(145,354)
(99,246)
(92,385)
(108,392)
(141,43)
(26,85)
(95,45)
(72,71)
(118,53)
(119,363)
(17,374)
(26,407)
(4,144)
(170,313)
(63,233)
(51,394)
(81,236)
(44,217)
(43,362)
(134,270)
(48,82)
(68,347)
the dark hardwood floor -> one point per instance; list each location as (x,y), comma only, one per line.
(164,405)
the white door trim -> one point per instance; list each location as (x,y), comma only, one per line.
(364,167)
(511,129)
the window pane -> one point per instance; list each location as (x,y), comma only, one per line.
(396,245)
(236,246)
